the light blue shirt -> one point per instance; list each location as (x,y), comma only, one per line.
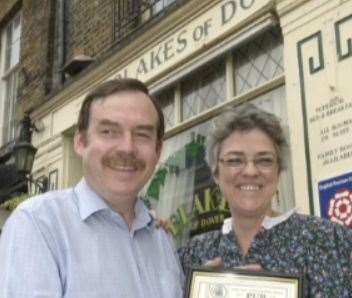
(71,244)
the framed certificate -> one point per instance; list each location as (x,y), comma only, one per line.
(207,283)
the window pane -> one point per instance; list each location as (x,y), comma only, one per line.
(203,89)
(275,102)
(159,5)
(7,109)
(11,47)
(126,16)
(258,61)
(15,50)
(167,103)
(15,54)
(16,40)
(183,189)
(13,34)
(17,28)
(8,49)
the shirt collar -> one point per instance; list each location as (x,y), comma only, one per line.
(268,222)
(89,202)
(143,217)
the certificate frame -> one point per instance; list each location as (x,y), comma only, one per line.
(229,283)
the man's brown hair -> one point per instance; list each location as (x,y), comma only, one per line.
(113,87)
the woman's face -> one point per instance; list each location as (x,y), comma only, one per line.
(248,172)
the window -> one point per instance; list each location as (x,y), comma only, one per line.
(254,65)
(159,5)
(10,55)
(258,61)
(182,188)
(129,15)
(197,93)
(167,104)
(203,89)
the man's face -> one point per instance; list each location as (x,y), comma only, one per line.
(120,148)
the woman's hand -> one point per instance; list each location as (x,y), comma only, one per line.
(165,224)
(217,263)
(251,267)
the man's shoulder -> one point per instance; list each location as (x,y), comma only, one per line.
(160,234)
(45,213)
(47,203)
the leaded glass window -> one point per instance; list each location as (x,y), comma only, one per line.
(10,49)
(203,89)
(159,5)
(258,61)
(167,103)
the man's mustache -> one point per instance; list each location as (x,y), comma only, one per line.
(118,159)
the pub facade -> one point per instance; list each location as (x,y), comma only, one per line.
(291,58)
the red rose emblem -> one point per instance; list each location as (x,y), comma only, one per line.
(340,208)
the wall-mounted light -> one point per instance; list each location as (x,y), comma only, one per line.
(24,156)
(24,153)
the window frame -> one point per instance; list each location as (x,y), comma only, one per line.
(180,133)
(231,98)
(9,80)
(160,5)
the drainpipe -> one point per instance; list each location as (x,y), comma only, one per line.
(61,41)
(113,20)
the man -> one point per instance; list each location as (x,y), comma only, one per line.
(97,239)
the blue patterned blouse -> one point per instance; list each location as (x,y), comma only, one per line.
(318,249)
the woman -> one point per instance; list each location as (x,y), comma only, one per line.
(246,156)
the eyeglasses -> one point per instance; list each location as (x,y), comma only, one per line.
(238,163)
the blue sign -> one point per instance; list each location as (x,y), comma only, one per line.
(335,197)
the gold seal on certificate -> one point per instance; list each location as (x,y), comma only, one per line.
(206,283)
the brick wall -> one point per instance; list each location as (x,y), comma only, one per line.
(89,27)
(36,51)
(88,30)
